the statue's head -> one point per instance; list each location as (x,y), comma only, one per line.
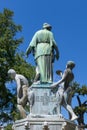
(47,26)
(70,64)
(11,73)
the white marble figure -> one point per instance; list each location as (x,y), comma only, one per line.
(22,87)
(31,98)
(64,88)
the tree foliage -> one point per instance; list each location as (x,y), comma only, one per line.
(10,57)
(80,93)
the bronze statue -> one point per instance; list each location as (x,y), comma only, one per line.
(44,49)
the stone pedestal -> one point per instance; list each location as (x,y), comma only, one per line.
(45,101)
(44,123)
(43,111)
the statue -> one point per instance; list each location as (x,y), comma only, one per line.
(31,98)
(45,97)
(37,76)
(64,88)
(44,49)
(22,87)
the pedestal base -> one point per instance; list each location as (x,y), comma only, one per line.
(44,100)
(43,111)
(44,123)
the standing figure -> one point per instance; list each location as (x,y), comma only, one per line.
(64,88)
(45,50)
(37,76)
(22,87)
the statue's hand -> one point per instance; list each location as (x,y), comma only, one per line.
(59,72)
(54,88)
(57,56)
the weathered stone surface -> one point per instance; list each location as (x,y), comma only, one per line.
(37,123)
(44,100)
(43,114)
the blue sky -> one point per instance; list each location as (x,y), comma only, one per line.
(69,21)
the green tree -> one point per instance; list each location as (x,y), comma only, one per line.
(80,93)
(10,57)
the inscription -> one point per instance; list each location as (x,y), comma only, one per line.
(45,99)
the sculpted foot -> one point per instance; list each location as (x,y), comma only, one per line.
(74,118)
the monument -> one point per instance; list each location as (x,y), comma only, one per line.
(44,96)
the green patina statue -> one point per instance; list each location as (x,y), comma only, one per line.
(44,49)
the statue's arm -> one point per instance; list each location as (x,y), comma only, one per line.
(55,46)
(32,45)
(63,79)
(56,50)
(28,51)
(18,87)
